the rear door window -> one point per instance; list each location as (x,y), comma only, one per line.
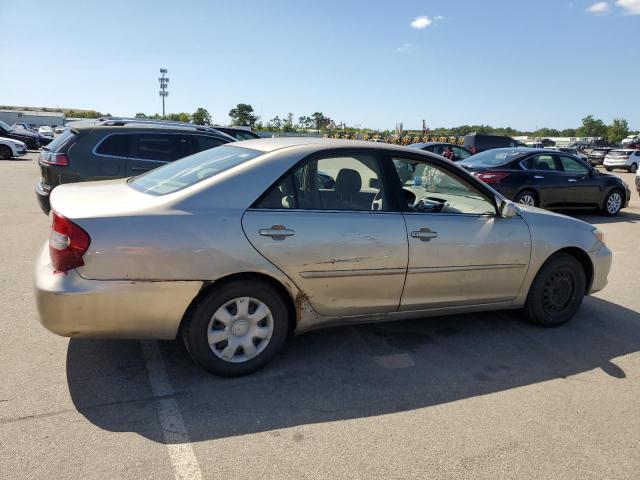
(203,142)
(160,147)
(541,162)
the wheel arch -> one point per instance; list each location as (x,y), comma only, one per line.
(529,188)
(210,286)
(584,260)
(608,190)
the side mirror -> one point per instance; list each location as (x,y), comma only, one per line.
(508,209)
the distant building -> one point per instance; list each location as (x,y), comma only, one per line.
(32,117)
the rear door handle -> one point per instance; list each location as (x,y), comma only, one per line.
(424,234)
(538,176)
(276,232)
(573,180)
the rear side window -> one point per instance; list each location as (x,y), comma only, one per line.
(116,145)
(160,147)
(205,143)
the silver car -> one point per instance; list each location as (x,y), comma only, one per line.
(236,248)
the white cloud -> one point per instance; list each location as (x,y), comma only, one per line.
(421,22)
(404,48)
(632,7)
(599,7)
(438,17)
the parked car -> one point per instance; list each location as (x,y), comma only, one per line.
(638,181)
(24,126)
(633,139)
(239,133)
(238,247)
(11,148)
(542,178)
(625,159)
(59,130)
(118,149)
(46,131)
(572,151)
(477,142)
(596,156)
(447,150)
(31,139)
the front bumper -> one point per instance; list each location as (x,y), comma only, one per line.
(601,261)
(72,306)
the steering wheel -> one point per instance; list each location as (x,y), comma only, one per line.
(429,204)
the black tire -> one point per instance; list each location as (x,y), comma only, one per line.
(610,212)
(196,327)
(525,195)
(557,291)
(608,169)
(5,152)
(633,168)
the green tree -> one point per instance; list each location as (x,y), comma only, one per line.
(618,130)
(568,132)
(141,115)
(275,124)
(287,125)
(179,117)
(592,127)
(201,117)
(320,122)
(305,122)
(243,115)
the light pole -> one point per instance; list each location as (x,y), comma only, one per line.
(163,87)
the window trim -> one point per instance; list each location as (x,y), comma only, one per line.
(556,162)
(465,177)
(578,161)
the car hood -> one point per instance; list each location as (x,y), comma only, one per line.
(104,198)
(535,215)
(25,133)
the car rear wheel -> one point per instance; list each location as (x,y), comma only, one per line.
(237,328)
(527,197)
(608,169)
(557,291)
(613,203)
(5,152)
(633,168)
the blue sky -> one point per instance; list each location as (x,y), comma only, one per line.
(519,63)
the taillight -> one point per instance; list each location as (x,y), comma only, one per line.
(67,243)
(50,158)
(491,177)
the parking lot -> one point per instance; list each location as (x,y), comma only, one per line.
(471,396)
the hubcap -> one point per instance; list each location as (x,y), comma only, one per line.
(527,200)
(558,292)
(614,202)
(240,329)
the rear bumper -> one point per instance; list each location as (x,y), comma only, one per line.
(42,194)
(601,261)
(72,306)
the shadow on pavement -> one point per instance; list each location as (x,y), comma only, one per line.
(350,372)
(624,216)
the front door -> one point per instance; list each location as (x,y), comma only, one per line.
(545,174)
(337,239)
(460,252)
(583,189)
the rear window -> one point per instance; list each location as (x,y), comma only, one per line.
(619,153)
(61,141)
(191,170)
(492,157)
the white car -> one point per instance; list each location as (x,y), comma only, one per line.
(60,129)
(625,158)
(631,140)
(46,131)
(11,148)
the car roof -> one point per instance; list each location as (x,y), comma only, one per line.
(150,128)
(278,143)
(430,144)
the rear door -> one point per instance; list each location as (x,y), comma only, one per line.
(340,241)
(152,150)
(582,188)
(545,174)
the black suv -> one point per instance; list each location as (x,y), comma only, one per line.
(118,149)
(478,142)
(31,139)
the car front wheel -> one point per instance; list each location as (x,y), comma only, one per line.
(5,152)
(237,328)
(557,291)
(613,203)
(633,168)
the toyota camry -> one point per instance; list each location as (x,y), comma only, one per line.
(236,248)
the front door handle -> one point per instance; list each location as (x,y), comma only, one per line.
(424,234)
(573,180)
(276,232)
(538,176)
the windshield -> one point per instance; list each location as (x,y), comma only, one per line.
(6,127)
(191,170)
(619,153)
(492,157)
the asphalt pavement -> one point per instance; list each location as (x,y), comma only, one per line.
(483,396)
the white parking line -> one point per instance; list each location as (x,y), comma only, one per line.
(176,438)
